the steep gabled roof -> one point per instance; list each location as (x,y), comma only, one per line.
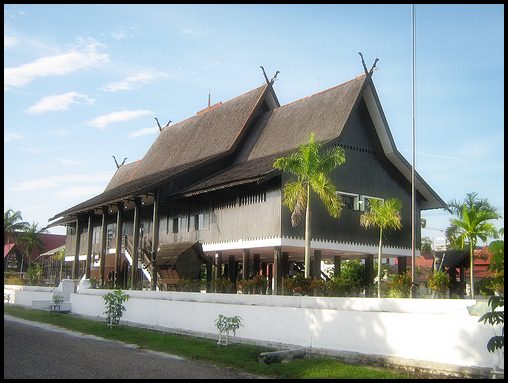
(324,113)
(122,175)
(202,136)
(211,133)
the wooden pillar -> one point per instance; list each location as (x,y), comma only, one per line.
(232,269)
(264,273)
(462,281)
(89,248)
(270,278)
(369,274)
(102,260)
(245,263)
(401,264)
(316,264)
(277,271)
(209,274)
(218,265)
(118,245)
(135,243)
(255,264)
(155,238)
(336,266)
(75,265)
(285,264)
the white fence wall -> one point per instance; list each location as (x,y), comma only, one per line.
(430,330)
(24,295)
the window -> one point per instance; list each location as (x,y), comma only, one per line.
(182,224)
(364,201)
(111,233)
(96,235)
(204,221)
(350,200)
(192,222)
(72,230)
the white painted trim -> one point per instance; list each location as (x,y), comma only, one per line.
(315,244)
(242,244)
(70,258)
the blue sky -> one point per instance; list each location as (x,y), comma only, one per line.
(84,82)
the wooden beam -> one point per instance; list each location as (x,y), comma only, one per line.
(89,248)
(104,233)
(119,224)
(135,243)
(75,265)
(277,271)
(155,237)
(336,266)
(245,264)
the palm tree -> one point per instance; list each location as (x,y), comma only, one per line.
(471,223)
(385,215)
(31,239)
(60,257)
(311,169)
(13,223)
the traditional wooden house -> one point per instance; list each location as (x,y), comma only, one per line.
(208,181)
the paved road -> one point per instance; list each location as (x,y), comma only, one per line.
(36,350)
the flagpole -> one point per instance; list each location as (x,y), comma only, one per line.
(413,266)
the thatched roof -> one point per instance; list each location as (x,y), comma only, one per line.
(122,175)
(222,130)
(179,147)
(257,170)
(324,113)
(167,255)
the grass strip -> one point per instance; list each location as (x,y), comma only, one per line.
(236,355)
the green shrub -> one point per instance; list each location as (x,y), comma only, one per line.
(399,286)
(222,285)
(439,283)
(298,285)
(14,280)
(189,285)
(114,306)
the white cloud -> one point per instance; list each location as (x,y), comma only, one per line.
(56,65)
(61,132)
(119,34)
(135,81)
(60,102)
(59,181)
(66,161)
(80,191)
(124,115)
(11,136)
(10,41)
(144,132)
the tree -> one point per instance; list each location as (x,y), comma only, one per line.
(471,222)
(311,169)
(13,223)
(496,301)
(31,239)
(60,257)
(385,215)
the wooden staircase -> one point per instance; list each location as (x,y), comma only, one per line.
(144,257)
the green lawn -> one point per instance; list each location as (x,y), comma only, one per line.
(241,356)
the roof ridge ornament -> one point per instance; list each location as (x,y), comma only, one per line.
(367,72)
(270,82)
(116,162)
(160,127)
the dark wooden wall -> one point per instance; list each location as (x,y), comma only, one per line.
(366,171)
